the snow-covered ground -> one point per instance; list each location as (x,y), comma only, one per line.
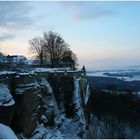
(123,74)
(6,132)
(50,69)
(66,131)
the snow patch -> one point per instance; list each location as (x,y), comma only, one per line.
(126,75)
(7,72)
(6,132)
(6,98)
(87,94)
(43,132)
(45,83)
(68,130)
(23,87)
(76,99)
(44,119)
(79,117)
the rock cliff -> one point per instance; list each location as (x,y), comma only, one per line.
(45,103)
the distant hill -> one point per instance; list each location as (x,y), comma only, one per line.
(104,82)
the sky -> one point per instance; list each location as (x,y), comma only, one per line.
(104,35)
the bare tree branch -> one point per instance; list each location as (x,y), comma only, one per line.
(37,49)
(51,47)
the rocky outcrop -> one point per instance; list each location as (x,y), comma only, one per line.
(27,102)
(7,105)
(50,100)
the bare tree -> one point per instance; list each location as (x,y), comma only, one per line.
(36,47)
(69,53)
(54,46)
(51,47)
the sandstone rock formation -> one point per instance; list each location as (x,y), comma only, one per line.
(48,102)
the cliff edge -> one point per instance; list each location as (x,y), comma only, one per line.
(44,103)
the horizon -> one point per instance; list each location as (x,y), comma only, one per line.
(104,35)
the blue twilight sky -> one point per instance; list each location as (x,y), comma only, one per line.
(103,34)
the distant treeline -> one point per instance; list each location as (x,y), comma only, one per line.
(105,83)
(125,106)
(111,95)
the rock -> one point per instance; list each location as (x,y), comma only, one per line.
(6,98)
(7,105)
(27,113)
(49,104)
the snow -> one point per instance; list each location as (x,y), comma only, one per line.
(23,87)
(43,132)
(12,102)
(67,130)
(96,74)
(79,112)
(45,83)
(55,71)
(126,75)
(28,85)
(51,103)
(76,99)
(44,119)
(137,94)
(87,94)
(64,128)
(7,72)
(6,98)
(6,132)
(20,90)
(50,69)
(24,73)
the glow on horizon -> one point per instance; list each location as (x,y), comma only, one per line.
(102,34)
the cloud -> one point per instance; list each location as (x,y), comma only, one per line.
(14,14)
(4,37)
(84,10)
(14,18)
(91,12)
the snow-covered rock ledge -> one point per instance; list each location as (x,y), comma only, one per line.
(7,105)
(47,101)
(6,98)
